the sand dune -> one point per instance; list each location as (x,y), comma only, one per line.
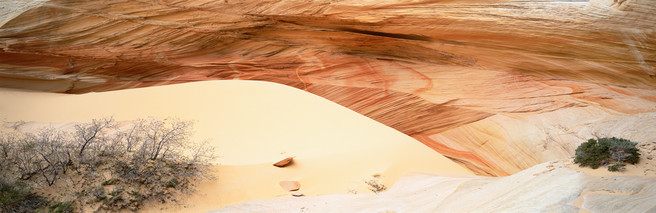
(253,124)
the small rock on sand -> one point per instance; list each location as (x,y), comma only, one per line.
(284,162)
(290,185)
(297,193)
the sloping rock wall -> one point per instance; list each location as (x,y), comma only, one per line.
(463,77)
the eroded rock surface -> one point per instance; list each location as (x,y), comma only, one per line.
(548,187)
(497,86)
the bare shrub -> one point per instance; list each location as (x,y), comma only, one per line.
(88,133)
(26,162)
(7,149)
(148,155)
(375,185)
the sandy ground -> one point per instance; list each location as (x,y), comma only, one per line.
(253,124)
(548,187)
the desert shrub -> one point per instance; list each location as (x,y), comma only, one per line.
(147,155)
(98,193)
(135,199)
(17,197)
(61,207)
(622,150)
(12,193)
(592,153)
(7,148)
(172,183)
(597,152)
(115,199)
(87,134)
(135,195)
(375,185)
(617,167)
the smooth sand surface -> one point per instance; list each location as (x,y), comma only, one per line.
(252,124)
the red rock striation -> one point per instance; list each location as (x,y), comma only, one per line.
(422,67)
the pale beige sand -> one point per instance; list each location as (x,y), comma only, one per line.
(251,124)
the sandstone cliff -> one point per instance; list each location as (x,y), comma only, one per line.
(497,86)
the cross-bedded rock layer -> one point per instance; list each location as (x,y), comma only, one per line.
(498,86)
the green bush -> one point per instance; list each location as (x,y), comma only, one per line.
(12,193)
(17,197)
(617,167)
(135,195)
(172,183)
(623,150)
(99,193)
(595,153)
(591,153)
(62,207)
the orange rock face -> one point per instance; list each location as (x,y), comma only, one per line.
(462,77)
